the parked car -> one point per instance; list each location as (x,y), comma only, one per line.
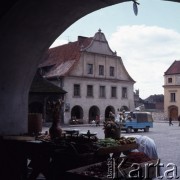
(135,121)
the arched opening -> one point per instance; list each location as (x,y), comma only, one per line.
(107,111)
(124,108)
(77,113)
(32,27)
(173,112)
(93,112)
(23,45)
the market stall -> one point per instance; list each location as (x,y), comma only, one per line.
(120,161)
(88,156)
(76,153)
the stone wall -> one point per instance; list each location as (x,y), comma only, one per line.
(159,116)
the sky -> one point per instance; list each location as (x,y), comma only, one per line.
(147,43)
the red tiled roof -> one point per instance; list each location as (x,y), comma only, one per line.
(64,57)
(174,68)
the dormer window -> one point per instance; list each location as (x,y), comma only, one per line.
(169,80)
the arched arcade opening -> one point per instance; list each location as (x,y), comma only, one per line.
(77,113)
(107,111)
(173,112)
(28,28)
(124,108)
(93,113)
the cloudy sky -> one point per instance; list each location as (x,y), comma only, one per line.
(147,43)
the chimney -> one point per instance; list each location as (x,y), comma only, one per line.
(81,39)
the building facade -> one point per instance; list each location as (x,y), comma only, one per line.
(94,77)
(172,90)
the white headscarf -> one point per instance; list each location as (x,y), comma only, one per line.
(147,145)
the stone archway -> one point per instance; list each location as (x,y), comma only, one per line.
(27,30)
(173,112)
(93,112)
(77,113)
(124,108)
(107,110)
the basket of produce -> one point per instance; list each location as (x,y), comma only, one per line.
(109,145)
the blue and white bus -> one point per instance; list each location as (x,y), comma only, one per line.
(135,121)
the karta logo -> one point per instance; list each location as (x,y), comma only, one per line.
(136,170)
(111,166)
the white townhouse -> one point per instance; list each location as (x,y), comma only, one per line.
(94,77)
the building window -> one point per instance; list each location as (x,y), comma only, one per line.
(102,92)
(111,73)
(76,90)
(173,97)
(124,92)
(101,70)
(90,68)
(113,92)
(169,80)
(89,91)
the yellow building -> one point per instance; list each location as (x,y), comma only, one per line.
(172,90)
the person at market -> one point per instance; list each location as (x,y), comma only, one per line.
(179,119)
(97,120)
(122,116)
(117,119)
(170,121)
(147,146)
(112,116)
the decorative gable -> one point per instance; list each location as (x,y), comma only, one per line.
(99,45)
(72,59)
